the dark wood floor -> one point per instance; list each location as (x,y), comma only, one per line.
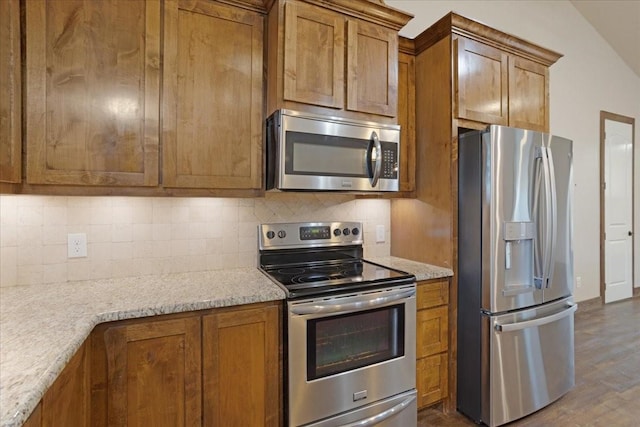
(607,392)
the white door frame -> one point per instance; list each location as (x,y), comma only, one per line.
(604,115)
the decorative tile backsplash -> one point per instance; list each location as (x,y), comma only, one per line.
(133,236)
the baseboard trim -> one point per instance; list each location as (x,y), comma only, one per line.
(598,301)
(590,303)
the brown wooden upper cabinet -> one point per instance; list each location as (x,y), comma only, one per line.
(212,96)
(407,114)
(481,82)
(93,83)
(497,87)
(92,92)
(467,76)
(337,58)
(11,98)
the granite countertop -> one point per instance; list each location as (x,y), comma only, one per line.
(41,327)
(418,269)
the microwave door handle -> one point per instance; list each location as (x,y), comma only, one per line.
(374,144)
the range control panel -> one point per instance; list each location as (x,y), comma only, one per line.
(309,234)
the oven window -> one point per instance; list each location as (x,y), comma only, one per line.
(350,341)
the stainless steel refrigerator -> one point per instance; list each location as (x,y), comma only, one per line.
(515,273)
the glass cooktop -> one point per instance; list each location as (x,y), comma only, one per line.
(331,277)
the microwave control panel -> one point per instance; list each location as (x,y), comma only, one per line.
(389,160)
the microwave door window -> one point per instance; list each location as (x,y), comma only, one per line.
(327,160)
(309,154)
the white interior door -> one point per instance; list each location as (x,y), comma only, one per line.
(618,211)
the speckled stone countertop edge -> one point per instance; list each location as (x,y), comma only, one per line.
(21,410)
(17,409)
(421,270)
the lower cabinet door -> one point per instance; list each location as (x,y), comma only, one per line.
(431,379)
(35,419)
(154,373)
(66,403)
(432,326)
(241,368)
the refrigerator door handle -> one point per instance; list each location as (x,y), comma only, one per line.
(553,221)
(537,254)
(510,327)
(547,219)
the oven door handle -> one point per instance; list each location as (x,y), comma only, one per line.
(351,304)
(382,415)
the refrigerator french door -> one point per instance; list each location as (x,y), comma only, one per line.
(515,273)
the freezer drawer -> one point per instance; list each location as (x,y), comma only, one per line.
(531,354)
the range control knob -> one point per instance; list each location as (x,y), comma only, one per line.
(282,234)
(346,232)
(337,232)
(270,234)
(355,231)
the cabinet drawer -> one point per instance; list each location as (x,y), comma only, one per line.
(432,331)
(431,379)
(432,294)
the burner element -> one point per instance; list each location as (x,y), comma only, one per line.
(291,271)
(314,277)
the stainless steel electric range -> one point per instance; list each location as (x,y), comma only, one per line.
(350,327)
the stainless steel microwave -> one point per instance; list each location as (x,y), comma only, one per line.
(308,152)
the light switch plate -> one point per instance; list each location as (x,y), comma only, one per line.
(76,245)
(380,234)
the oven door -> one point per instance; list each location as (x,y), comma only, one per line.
(346,352)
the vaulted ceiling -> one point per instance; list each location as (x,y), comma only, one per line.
(618,22)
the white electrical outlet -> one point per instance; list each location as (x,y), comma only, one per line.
(578,282)
(76,245)
(380,235)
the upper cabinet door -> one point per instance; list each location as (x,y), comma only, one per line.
(528,94)
(92,92)
(212,96)
(481,82)
(372,69)
(11,98)
(314,50)
(407,120)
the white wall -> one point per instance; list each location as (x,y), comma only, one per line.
(589,78)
